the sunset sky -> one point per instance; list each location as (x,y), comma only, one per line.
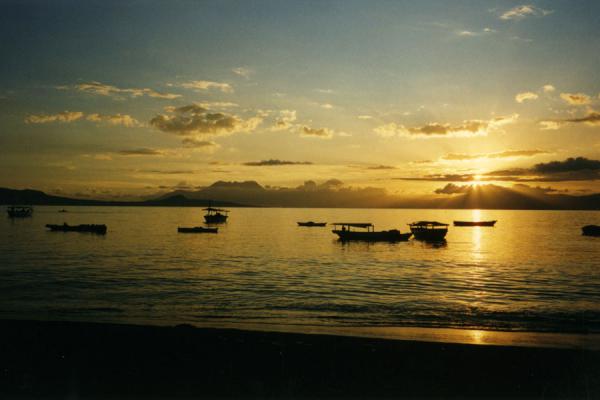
(110,99)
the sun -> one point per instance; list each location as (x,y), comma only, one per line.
(477,180)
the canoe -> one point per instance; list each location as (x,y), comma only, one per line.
(430,231)
(474,223)
(311,223)
(393,235)
(197,229)
(591,230)
(91,228)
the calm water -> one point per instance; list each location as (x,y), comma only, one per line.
(532,272)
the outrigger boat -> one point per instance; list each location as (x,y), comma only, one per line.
(311,223)
(431,231)
(19,211)
(197,229)
(474,223)
(346,233)
(591,230)
(215,215)
(91,228)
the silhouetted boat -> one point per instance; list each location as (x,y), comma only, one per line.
(197,229)
(370,234)
(215,215)
(19,211)
(474,223)
(311,223)
(591,230)
(91,228)
(431,231)
(62,211)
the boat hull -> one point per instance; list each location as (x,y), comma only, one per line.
(197,229)
(97,229)
(310,223)
(429,235)
(474,223)
(215,219)
(591,230)
(382,236)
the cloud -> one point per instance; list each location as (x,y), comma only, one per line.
(141,152)
(207,85)
(64,116)
(285,120)
(576,99)
(196,121)
(206,145)
(523,11)
(117,119)
(468,128)
(326,106)
(271,163)
(218,104)
(467,33)
(109,90)
(323,133)
(548,88)
(324,91)
(521,97)
(364,117)
(568,165)
(502,154)
(380,167)
(592,118)
(242,71)
(451,188)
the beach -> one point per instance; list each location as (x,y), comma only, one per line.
(95,360)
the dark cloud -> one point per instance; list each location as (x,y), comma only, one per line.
(381,167)
(272,162)
(167,172)
(501,154)
(198,143)
(592,118)
(569,165)
(322,133)
(451,188)
(434,129)
(141,152)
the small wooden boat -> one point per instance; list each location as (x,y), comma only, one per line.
(91,228)
(215,215)
(346,233)
(311,223)
(431,231)
(197,229)
(19,211)
(474,223)
(591,230)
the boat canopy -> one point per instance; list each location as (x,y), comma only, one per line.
(354,224)
(209,209)
(428,223)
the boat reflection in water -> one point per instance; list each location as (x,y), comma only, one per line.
(591,230)
(431,231)
(19,211)
(368,233)
(90,228)
(311,223)
(197,229)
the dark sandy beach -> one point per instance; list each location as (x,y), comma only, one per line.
(88,360)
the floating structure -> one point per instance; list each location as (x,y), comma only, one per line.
(591,230)
(474,223)
(197,229)
(99,229)
(311,223)
(19,211)
(431,231)
(367,233)
(215,215)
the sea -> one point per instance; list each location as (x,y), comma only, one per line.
(532,272)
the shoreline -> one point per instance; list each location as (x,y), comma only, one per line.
(102,360)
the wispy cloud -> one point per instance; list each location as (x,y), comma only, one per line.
(364,117)
(207,85)
(468,33)
(141,152)
(71,116)
(548,88)
(468,128)
(242,71)
(116,119)
(64,116)
(102,89)
(521,97)
(524,11)
(576,99)
(592,118)
(285,120)
(322,133)
(275,163)
(501,154)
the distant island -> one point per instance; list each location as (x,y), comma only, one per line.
(333,194)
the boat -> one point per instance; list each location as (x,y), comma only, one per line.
(19,211)
(431,231)
(474,223)
(91,228)
(62,211)
(311,223)
(591,230)
(346,233)
(197,229)
(215,215)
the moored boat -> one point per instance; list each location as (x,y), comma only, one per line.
(591,230)
(431,231)
(19,211)
(474,223)
(311,223)
(215,215)
(91,228)
(346,233)
(197,229)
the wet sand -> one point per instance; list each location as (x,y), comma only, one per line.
(88,360)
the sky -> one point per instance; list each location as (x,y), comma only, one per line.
(133,98)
